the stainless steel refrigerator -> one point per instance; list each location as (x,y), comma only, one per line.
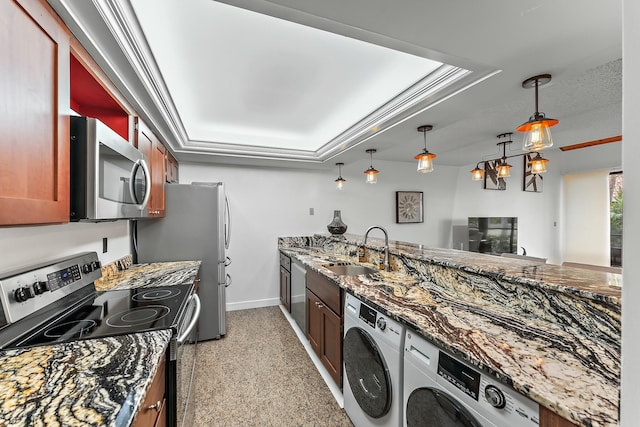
(197,226)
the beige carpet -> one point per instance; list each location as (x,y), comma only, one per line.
(260,375)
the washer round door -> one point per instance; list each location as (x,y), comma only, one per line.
(367,373)
(429,407)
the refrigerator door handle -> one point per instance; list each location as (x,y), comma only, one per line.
(227,223)
(228,281)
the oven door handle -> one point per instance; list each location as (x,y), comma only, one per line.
(194,319)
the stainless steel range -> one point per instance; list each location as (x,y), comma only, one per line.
(57,302)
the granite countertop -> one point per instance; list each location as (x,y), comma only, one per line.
(95,382)
(149,275)
(529,327)
(99,382)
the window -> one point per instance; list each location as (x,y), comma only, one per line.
(616,182)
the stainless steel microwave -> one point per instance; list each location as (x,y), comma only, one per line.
(110,178)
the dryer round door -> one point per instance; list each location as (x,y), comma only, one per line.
(367,373)
(429,407)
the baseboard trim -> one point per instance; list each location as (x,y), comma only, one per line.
(245,305)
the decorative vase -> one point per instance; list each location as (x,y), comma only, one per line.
(337,226)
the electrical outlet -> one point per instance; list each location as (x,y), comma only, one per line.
(311,211)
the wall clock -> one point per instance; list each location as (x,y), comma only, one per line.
(409,207)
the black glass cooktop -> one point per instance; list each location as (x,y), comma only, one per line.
(112,313)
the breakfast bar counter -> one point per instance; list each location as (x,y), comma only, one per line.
(550,332)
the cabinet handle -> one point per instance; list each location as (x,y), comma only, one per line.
(156,406)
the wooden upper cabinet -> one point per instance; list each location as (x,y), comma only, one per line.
(34,114)
(172,169)
(155,152)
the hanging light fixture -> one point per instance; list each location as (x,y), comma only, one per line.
(537,164)
(537,129)
(340,181)
(372,173)
(503,168)
(425,164)
(477,174)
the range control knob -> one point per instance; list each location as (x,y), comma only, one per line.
(494,396)
(23,294)
(40,287)
(382,324)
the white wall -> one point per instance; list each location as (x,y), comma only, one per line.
(268,203)
(630,410)
(24,246)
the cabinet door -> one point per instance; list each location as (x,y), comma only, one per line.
(285,288)
(158,171)
(34,114)
(172,169)
(324,330)
(331,344)
(154,151)
(314,322)
(551,419)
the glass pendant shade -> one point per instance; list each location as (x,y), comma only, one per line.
(340,181)
(504,170)
(425,159)
(477,174)
(538,165)
(537,133)
(425,165)
(372,175)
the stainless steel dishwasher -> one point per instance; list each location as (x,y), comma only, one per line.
(298,293)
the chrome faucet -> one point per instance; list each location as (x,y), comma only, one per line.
(386,244)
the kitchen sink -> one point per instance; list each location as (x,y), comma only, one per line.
(350,269)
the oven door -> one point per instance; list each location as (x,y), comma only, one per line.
(186,343)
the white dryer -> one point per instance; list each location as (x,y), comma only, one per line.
(372,355)
(442,391)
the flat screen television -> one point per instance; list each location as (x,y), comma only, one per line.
(493,235)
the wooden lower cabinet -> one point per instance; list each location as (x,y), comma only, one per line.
(285,281)
(153,411)
(549,418)
(324,330)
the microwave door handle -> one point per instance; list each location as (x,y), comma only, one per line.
(194,319)
(147,182)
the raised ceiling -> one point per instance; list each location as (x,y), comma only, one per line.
(241,81)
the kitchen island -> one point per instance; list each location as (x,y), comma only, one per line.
(93,382)
(550,332)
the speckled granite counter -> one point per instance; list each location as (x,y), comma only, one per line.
(551,332)
(98,382)
(150,275)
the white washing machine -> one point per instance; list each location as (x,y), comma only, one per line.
(372,355)
(442,391)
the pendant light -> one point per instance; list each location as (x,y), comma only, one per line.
(503,168)
(340,181)
(538,164)
(537,129)
(425,164)
(477,174)
(372,173)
